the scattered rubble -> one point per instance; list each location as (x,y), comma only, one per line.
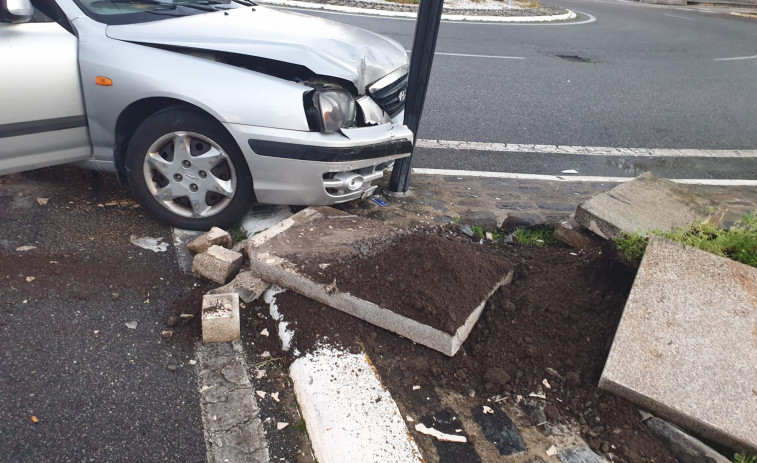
(217,264)
(246,284)
(215,236)
(150,243)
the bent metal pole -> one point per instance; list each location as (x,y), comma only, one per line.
(421,59)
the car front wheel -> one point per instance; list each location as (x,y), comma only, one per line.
(188,171)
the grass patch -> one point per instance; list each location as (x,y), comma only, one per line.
(539,236)
(738,242)
(744,458)
(238,233)
(301,426)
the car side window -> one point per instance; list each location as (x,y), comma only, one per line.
(50,11)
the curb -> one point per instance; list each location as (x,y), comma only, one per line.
(411,15)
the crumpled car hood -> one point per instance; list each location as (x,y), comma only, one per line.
(326,47)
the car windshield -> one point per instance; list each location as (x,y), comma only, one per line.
(134,11)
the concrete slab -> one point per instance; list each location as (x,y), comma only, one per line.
(220,318)
(332,233)
(351,416)
(686,346)
(642,205)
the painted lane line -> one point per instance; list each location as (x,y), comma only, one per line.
(679,17)
(466,55)
(574,178)
(735,58)
(584,150)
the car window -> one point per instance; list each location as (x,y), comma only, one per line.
(133,11)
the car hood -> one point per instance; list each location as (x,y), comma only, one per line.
(325,47)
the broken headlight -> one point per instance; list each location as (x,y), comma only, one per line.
(330,110)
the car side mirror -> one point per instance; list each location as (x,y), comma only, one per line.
(17,11)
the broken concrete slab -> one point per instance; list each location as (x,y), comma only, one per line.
(686,346)
(332,232)
(644,204)
(351,416)
(217,264)
(246,285)
(573,234)
(215,236)
(220,318)
(582,454)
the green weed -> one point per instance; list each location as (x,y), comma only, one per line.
(738,242)
(744,458)
(238,233)
(540,236)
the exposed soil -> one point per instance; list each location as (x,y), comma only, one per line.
(437,279)
(556,321)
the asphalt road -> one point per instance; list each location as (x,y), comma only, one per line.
(639,76)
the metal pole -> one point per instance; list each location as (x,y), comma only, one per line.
(424,44)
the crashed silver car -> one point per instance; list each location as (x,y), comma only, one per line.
(201,107)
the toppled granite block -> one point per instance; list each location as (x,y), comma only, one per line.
(686,346)
(644,204)
(683,446)
(217,264)
(220,318)
(246,285)
(573,234)
(215,236)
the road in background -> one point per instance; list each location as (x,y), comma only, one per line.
(640,76)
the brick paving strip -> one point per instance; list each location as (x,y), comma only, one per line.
(230,414)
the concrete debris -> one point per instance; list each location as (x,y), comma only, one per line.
(217,264)
(150,243)
(680,350)
(546,383)
(246,284)
(573,234)
(552,451)
(220,318)
(261,394)
(644,204)
(167,334)
(42,201)
(186,316)
(131,325)
(265,332)
(488,410)
(281,425)
(442,437)
(25,248)
(215,236)
(275,396)
(466,229)
(582,454)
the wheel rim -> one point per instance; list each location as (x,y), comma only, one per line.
(189,174)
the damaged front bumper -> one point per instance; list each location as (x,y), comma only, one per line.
(313,168)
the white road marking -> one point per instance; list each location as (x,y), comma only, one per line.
(574,178)
(679,17)
(584,150)
(735,58)
(466,55)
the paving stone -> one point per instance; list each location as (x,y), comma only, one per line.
(331,232)
(220,318)
(351,416)
(499,429)
(582,454)
(644,204)
(685,448)
(215,236)
(572,233)
(686,346)
(246,285)
(217,264)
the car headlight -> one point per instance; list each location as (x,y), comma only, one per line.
(331,109)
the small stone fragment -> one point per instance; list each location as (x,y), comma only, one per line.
(488,410)
(166,334)
(275,396)
(552,451)
(25,248)
(497,376)
(264,332)
(172,321)
(35,419)
(280,425)
(29,279)
(132,325)
(42,201)
(261,394)
(215,236)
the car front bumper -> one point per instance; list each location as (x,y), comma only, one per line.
(312,168)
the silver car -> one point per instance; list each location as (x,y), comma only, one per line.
(201,107)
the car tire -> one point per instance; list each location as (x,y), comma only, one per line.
(205,183)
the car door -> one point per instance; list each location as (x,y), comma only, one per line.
(42,117)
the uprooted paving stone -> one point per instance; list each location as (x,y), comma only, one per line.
(686,344)
(220,318)
(349,413)
(215,236)
(351,264)
(644,204)
(686,448)
(231,418)
(246,285)
(217,264)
